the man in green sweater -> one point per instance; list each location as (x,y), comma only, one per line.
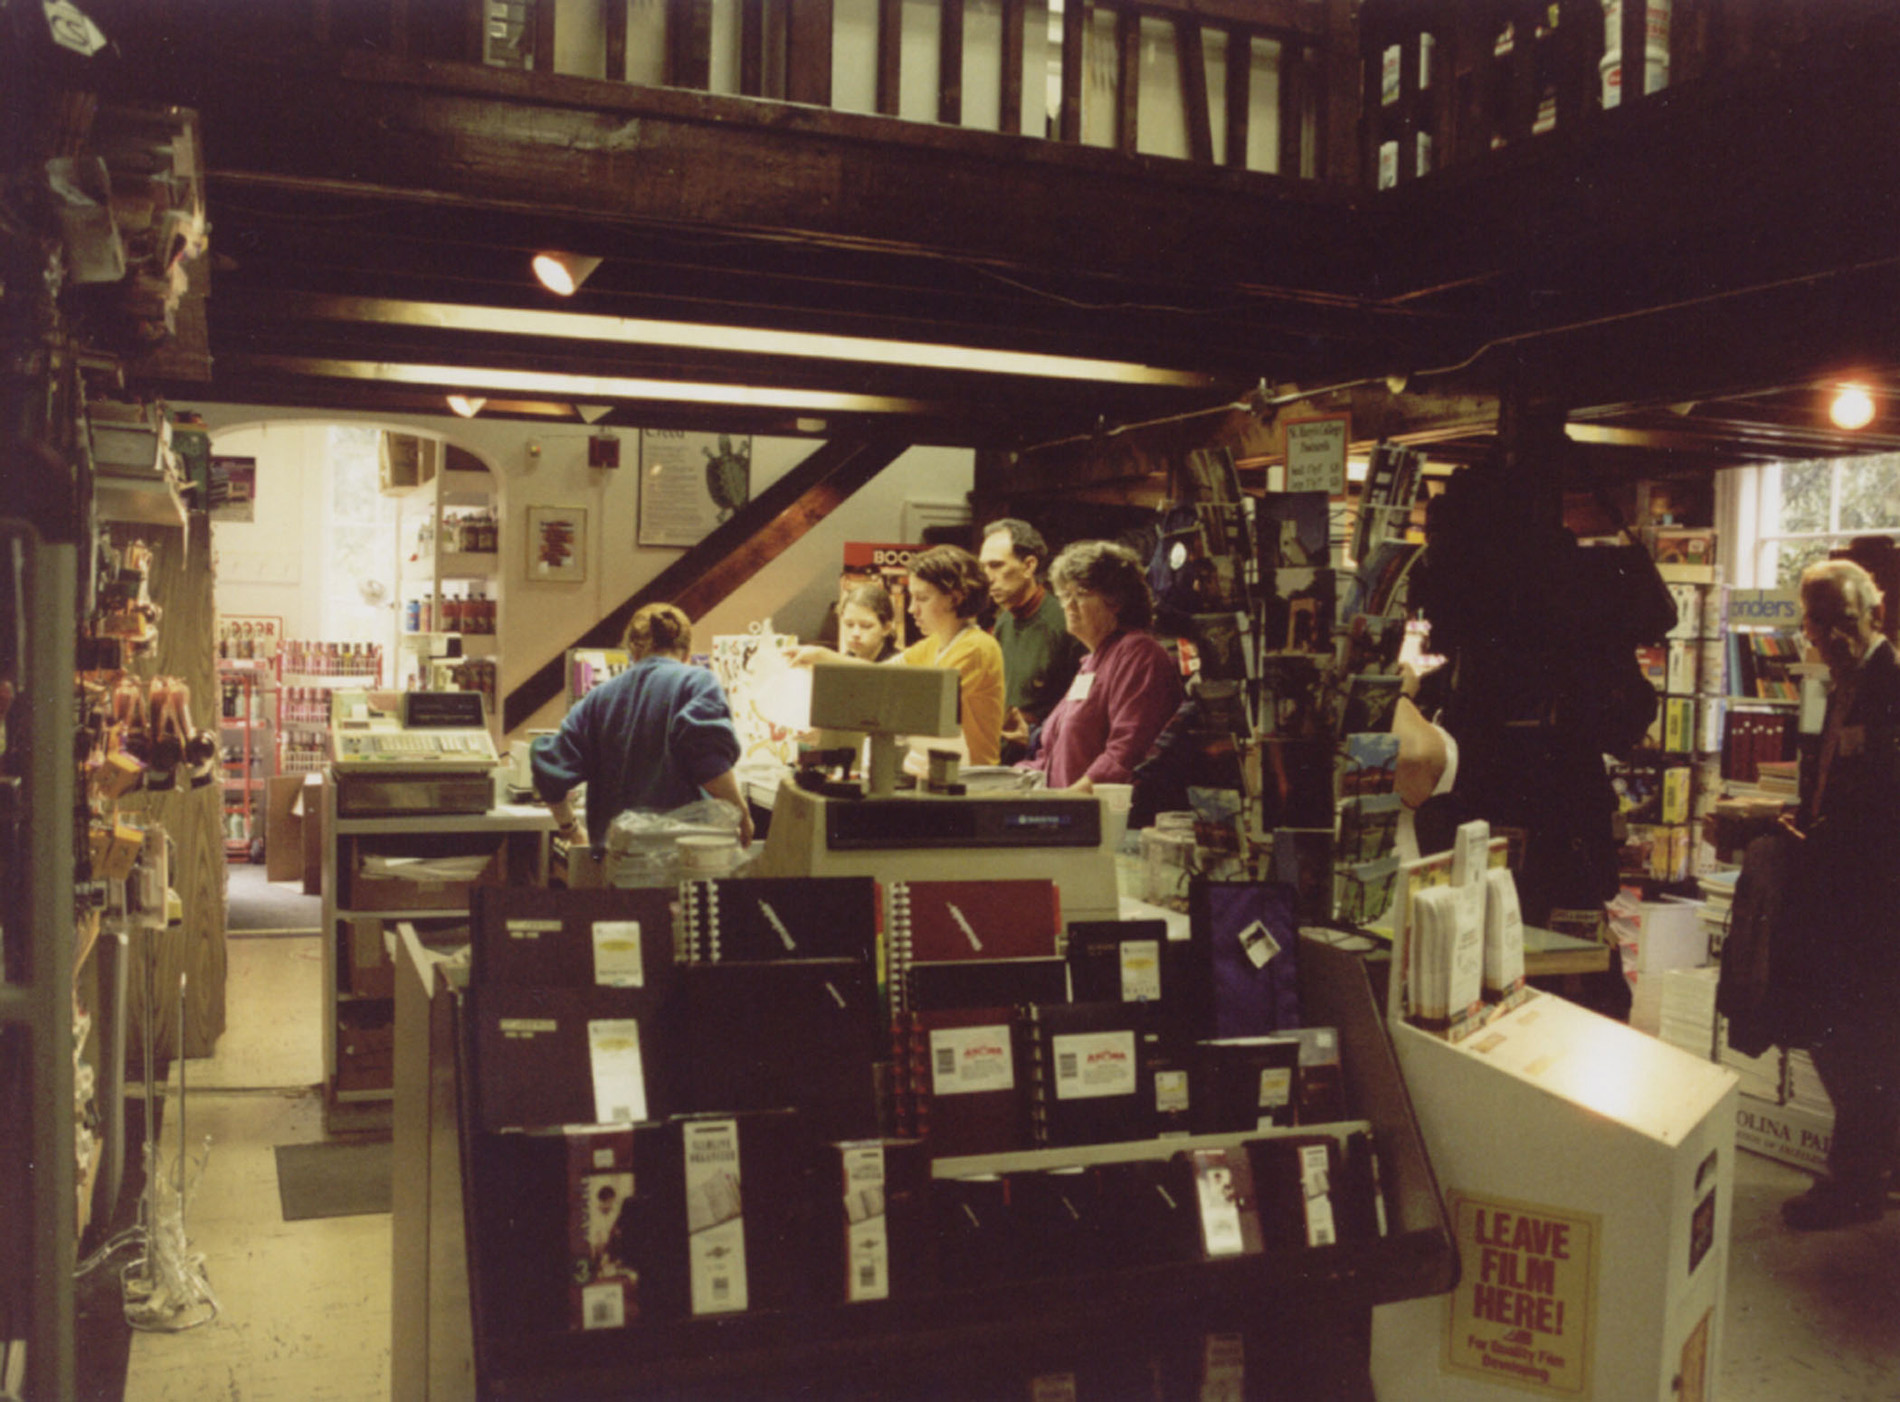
(1039,654)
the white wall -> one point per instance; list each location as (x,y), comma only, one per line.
(539,619)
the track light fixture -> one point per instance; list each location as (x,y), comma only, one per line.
(467,405)
(563,273)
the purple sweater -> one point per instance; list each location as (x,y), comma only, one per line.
(1122,696)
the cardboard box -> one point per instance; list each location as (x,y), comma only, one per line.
(383,892)
(283,829)
(372,972)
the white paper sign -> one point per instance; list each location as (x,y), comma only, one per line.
(965,1060)
(617,954)
(1092,1064)
(1316,454)
(1141,971)
(620,1086)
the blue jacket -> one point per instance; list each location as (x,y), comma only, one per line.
(648,739)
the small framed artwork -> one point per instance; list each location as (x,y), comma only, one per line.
(557,544)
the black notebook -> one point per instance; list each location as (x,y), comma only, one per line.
(797,1033)
(985,983)
(784,917)
(567,1056)
(536,935)
(1088,1071)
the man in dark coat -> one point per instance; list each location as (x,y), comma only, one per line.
(1841,990)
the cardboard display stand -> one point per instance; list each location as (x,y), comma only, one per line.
(1588,1172)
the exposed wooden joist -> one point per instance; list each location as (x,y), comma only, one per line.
(728,557)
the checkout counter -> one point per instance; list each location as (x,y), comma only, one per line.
(409,825)
(821,828)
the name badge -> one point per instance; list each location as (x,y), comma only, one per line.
(1079,688)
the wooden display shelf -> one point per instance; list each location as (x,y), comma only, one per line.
(1315,1303)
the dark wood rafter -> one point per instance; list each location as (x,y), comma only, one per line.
(727,558)
(950,61)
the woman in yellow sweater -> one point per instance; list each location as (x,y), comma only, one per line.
(946,590)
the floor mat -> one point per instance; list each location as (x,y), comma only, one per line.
(333,1179)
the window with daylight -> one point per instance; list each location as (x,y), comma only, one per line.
(1788,515)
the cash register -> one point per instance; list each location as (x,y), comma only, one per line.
(875,830)
(432,754)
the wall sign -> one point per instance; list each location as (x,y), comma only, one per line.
(557,544)
(1316,454)
(690,483)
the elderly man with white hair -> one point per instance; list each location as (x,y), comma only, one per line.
(1841,987)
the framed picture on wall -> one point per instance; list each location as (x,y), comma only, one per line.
(690,483)
(557,544)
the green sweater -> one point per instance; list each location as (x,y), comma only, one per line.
(1039,658)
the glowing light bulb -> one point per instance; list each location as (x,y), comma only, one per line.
(1853,408)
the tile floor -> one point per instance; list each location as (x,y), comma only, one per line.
(306,1304)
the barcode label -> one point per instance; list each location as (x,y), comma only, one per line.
(867,1275)
(603,1306)
(721,1287)
(1067,1067)
(946,1061)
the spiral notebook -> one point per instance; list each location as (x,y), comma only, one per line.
(937,921)
(957,1085)
(780,917)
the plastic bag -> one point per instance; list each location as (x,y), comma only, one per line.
(642,846)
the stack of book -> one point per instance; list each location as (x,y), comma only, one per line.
(1718,899)
(1688,1010)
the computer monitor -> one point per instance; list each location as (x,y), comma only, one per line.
(883,703)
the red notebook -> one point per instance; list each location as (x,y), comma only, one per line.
(937,921)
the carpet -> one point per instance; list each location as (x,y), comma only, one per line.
(336,1178)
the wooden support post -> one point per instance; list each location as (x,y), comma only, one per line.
(1193,61)
(752,48)
(544,36)
(1015,16)
(616,41)
(808,52)
(1075,28)
(1128,81)
(890,55)
(950,62)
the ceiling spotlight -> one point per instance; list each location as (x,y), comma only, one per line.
(467,405)
(1853,407)
(593,413)
(563,273)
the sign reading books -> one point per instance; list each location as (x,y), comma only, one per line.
(1524,1310)
(1316,454)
